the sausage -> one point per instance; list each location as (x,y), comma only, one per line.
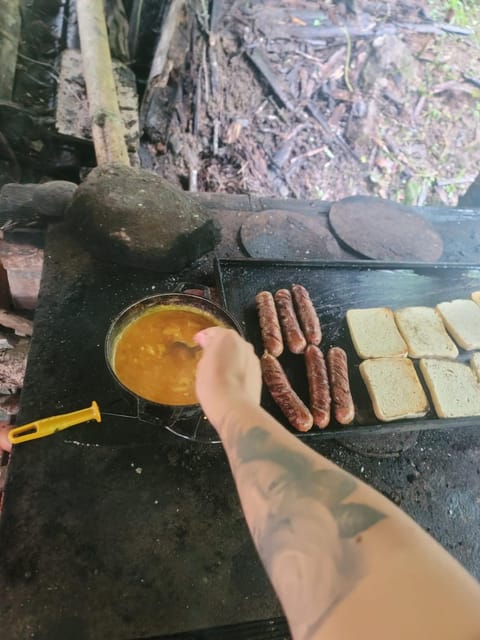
(307,315)
(269,324)
(341,395)
(291,329)
(320,399)
(276,380)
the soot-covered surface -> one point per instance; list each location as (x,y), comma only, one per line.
(119,529)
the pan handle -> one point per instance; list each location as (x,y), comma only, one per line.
(194,288)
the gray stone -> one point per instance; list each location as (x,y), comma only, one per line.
(27,201)
(134,217)
(390,58)
(52,198)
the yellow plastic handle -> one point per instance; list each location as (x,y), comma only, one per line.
(47,426)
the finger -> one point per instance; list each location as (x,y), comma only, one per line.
(205,336)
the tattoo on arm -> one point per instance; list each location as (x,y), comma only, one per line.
(306,532)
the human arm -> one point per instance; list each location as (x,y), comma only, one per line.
(344,561)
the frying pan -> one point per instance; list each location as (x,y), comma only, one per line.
(186,421)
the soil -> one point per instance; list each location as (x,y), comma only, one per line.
(284,98)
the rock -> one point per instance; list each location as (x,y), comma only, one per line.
(134,217)
(26,201)
(390,59)
(13,363)
(9,405)
(52,198)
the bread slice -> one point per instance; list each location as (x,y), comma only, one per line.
(374,333)
(453,386)
(475,365)
(462,319)
(394,388)
(423,331)
(475,296)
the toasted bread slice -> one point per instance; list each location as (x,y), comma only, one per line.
(453,386)
(475,296)
(462,319)
(374,333)
(475,365)
(423,331)
(394,388)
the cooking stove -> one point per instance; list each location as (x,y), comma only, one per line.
(124,530)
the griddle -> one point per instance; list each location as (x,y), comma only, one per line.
(335,288)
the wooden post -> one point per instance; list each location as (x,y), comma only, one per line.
(159,71)
(107,127)
(10,25)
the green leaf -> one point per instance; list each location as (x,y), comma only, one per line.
(354,518)
(331,486)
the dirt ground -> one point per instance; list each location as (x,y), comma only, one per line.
(308,99)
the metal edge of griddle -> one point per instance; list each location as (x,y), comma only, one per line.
(342,264)
(394,427)
(270,629)
(448,214)
(382,428)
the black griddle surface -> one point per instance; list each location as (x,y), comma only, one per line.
(116,529)
(335,288)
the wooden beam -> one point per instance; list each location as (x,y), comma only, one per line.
(160,69)
(164,41)
(108,132)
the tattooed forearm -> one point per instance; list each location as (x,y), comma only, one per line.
(305,528)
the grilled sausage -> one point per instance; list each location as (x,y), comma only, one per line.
(341,395)
(319,388)
(307,315)
(276,380)
(291,329)
(269,324)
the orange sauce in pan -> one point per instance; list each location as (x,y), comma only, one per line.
(149,363)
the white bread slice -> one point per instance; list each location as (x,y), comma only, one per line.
(475,296)
(453,386)
(374,333)
(423,331)
(462,319)
(475,364)
(394,388)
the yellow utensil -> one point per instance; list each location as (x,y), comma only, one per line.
(47,426)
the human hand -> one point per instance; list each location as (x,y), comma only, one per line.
(228,373)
